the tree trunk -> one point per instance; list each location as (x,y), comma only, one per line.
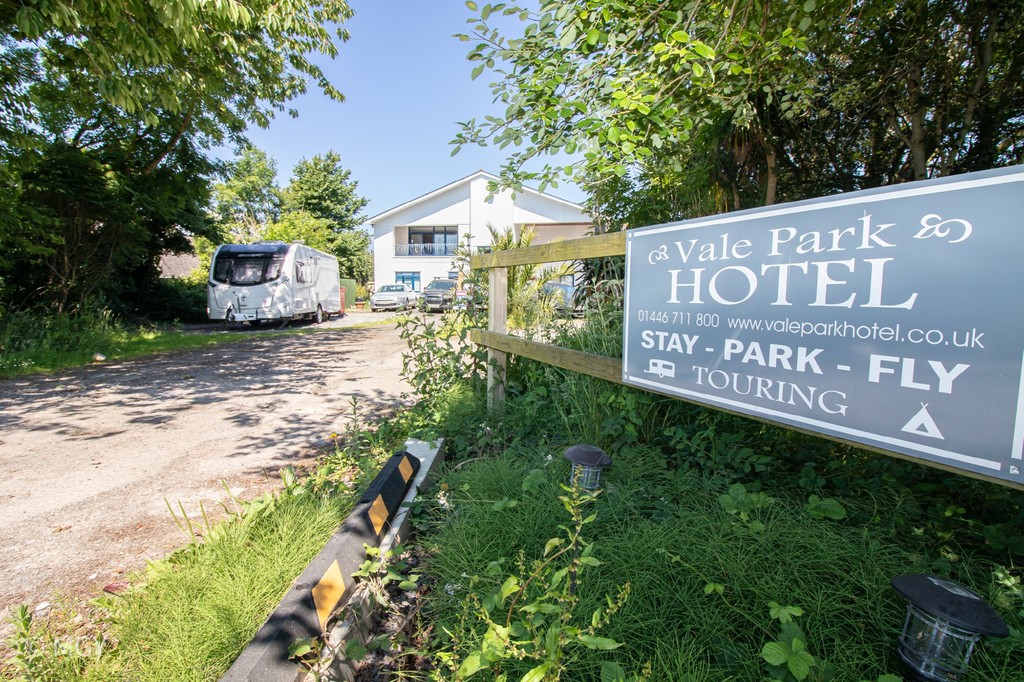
(772,181)
(918,152)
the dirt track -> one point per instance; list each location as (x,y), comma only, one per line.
(91,455)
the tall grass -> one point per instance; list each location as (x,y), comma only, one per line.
(666,533)
(35,341)
(201,607)
(190,615)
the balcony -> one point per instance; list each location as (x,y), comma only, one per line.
(425,249)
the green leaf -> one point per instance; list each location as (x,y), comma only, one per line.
(538,673)
(472,664)
(714,587)
(495,641)
(612,672)
(471,5)
(534,480)
(799,661)
(705,51)
(776,653)
(300,648)
(809,6)
(568,37)
(600,643)
(825,508)
(354,650)
(510,585)
(551,544)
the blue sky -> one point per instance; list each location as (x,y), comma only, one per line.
(406,83)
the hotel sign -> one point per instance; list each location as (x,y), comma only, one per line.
(892,318)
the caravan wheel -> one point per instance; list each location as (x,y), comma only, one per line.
(319,317)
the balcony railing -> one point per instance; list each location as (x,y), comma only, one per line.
(425,249)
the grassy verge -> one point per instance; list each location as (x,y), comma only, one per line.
(188,616)
(719,549)
(712,573)
(30,344)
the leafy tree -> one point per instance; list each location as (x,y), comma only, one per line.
(300,226)
(248,201)
(319,208)
(133,94)
(323,188)
(354,258)
(710,106)
(216,66)
(86,224)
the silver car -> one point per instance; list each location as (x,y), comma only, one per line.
(393,297)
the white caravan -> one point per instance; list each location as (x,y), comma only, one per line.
(272,281)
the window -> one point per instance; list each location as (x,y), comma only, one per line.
(244,269)
(300,272)
(429,241)
(410,278)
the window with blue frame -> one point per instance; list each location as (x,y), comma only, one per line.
(410,278)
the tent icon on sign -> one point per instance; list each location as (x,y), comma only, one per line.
(923,424)
(663,368)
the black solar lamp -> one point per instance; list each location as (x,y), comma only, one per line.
(587,463)
(944,622)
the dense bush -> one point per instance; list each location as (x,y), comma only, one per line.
(35,336)
(175,300)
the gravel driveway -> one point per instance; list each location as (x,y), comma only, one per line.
(91,455)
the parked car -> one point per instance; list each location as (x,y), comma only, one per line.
(439,295)
(562,298)
(393,297)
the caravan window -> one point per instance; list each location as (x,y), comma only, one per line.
(247,268)
(300,272)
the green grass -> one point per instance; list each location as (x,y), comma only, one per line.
(666,534)
(203,605)
(31,344)
(190,615)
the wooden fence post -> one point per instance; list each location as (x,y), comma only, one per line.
(497,321)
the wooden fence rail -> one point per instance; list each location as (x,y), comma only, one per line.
(500,343)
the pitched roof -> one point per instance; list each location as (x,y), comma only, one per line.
(457,183)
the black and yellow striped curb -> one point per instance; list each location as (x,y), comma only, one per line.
(305,610)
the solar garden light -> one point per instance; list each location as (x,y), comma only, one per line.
(944,622)
(587,463)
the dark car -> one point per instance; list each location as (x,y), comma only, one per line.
(562,298)
(439,295)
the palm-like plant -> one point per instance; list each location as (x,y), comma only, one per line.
(528,307)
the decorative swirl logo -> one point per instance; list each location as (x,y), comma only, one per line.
(660,253)
(932,229)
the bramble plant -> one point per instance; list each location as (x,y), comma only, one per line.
(531,617)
